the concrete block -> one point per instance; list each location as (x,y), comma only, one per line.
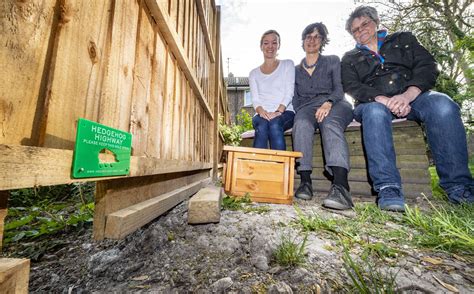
(205,206)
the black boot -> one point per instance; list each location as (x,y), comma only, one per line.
(305,190)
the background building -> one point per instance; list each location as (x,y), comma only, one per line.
(238,95)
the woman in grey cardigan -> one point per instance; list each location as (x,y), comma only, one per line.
(319,103)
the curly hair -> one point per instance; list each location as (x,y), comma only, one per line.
(367,11)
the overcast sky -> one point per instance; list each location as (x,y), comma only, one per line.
(243,22)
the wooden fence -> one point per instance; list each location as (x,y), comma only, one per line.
(149,67)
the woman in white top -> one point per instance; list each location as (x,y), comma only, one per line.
(272,87)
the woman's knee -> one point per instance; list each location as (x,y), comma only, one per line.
(259,124)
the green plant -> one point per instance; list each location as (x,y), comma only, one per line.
(244,120)
(232,133)
(449,228)
(289,252)
(366,277)
(243,204)
(235,203)
(437,192)
(314,222)
(37,213)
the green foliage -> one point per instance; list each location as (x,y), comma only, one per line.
(437,192)
(38,213)
(449,228)
(243,204)
(235,203)
(232,134)
(367,277)
(290,252)
(244,120)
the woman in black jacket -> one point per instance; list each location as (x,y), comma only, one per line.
(391,76)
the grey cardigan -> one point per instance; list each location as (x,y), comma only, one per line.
(323,85)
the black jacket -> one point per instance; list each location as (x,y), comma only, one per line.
(407,63)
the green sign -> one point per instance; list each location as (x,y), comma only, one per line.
(100,151)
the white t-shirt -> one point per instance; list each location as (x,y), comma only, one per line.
(269,91)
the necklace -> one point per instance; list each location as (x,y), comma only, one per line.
(309,66)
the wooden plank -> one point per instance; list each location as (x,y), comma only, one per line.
(115,102)
(420,176)
(28,31)
(115,195)
(182,119)
(260,170)
(168,101)
(77,72)
(229,169)
(412,161)
(164,25)
(125,221)
(263,151)
(205,29)
(176,113)
(217,82)
(24,167)
(155,128)
(363,188)
(14,275)
(262,188)
(180,23)
(142,75)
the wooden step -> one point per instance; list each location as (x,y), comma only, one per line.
(364,189)
(416,176)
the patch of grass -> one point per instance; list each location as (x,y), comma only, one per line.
(370,213)
(437,191)
(313,223)
(235,203)
(449,228)
(290,252)
(380,250)
(243,204)
(366,277)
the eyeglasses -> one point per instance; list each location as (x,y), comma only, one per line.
(362,27)
(313,38)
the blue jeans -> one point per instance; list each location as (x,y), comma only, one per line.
(446,138)
(272,130)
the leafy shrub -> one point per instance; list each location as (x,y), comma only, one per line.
(232,133)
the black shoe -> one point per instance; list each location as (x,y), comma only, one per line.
(304,191)
(338,198)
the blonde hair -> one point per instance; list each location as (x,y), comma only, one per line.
(269,32)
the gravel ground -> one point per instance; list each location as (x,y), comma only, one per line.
(232,256)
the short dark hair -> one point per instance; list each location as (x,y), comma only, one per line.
(367,11)
(322,31)
(269,32)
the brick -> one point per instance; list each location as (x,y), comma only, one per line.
(205,206)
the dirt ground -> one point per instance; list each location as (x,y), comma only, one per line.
(232,256)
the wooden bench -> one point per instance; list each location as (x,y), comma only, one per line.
(412,160)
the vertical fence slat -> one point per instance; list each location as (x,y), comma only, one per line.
(115,102)
(78,70)
(141,84)
(27,35)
